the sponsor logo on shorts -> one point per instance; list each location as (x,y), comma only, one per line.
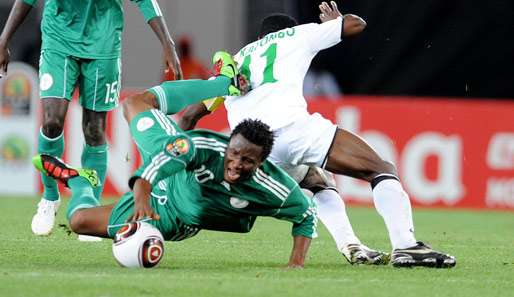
(144,124)
(238,203)
(178,147)
(46,81)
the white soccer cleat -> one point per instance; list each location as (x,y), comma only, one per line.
(44,219)
(88,238)
(357,253)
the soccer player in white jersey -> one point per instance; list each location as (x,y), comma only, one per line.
(275,66)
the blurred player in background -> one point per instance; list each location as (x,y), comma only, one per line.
(81,47)
(191,180)
(275,66)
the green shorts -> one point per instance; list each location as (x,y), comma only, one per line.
(170,226)
(98,81)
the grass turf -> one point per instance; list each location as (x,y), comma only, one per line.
(224,264)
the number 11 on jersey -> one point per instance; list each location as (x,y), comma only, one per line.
(270,55)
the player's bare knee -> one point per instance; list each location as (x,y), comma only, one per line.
(317,180)
(52,127)
(94,133)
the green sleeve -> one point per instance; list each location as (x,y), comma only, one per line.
(176,154)
(209,146)
(149,8)
(30,2)
(299,209)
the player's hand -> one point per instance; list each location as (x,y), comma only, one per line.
(172,60)
(329,12)
(142,209)
(4,60)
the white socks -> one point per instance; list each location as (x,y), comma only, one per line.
(332,212)
(393,204)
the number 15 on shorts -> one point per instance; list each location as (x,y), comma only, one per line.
(112,92)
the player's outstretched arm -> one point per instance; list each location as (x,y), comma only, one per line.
(18,13)
(301,246)
(301,211)
(160,29)
(352,24)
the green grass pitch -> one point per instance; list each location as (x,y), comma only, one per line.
(224,264)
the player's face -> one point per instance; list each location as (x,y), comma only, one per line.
(242,158)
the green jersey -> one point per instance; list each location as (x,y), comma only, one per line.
(188,180)
(90,29)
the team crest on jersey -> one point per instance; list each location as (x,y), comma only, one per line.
(178,147)
(238,203)
(144,123)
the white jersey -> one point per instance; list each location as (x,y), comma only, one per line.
(276,66)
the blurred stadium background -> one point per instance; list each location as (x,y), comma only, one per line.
(429,84)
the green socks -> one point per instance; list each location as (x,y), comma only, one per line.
(95,157)
(53,147)
(82,195)
(173,96)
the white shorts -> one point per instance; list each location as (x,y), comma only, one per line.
(305,141)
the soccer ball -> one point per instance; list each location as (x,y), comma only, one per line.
(137,245)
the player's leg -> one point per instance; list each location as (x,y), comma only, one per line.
(332,213)
(172,96)
(94,153)
(331,208)
(92,221)
(84,212)
(99,86)
(58,74)
(352,156)
(307,142)
(51,139)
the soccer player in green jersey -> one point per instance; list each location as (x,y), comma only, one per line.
(191,180)
(81,46)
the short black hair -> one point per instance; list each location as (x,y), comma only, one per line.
(276,22)
(257,133)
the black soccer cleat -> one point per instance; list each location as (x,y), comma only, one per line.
(421,255)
